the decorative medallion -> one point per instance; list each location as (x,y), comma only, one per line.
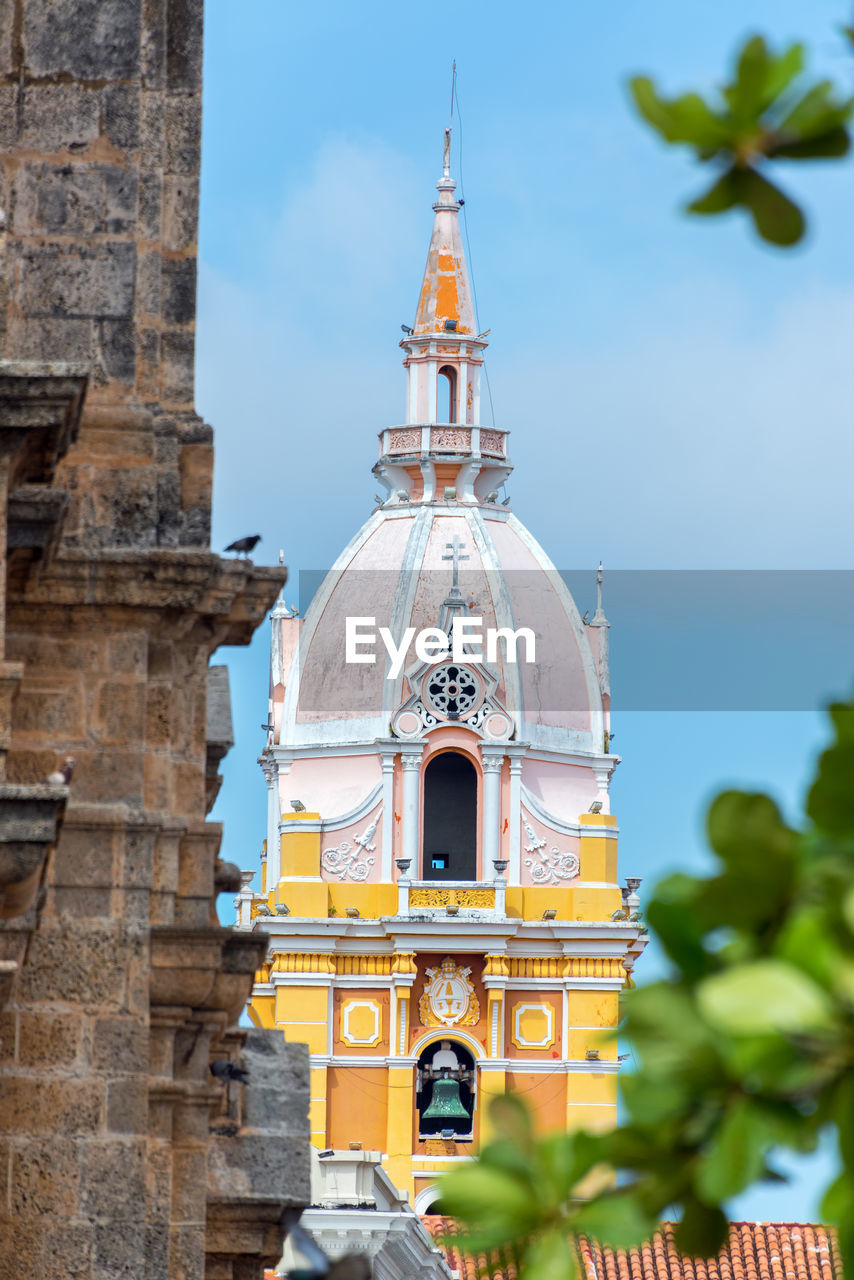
(452,691)
(551,867)
(449,999)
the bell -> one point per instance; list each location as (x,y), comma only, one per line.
(445,1102)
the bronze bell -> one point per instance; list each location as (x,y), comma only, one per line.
(445,1102)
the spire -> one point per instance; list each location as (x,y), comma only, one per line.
(445,305)
(599,619)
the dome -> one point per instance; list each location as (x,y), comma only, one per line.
(397,573)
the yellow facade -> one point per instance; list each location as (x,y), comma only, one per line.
(540,1018)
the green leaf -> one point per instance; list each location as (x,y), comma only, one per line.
(737,1153)
(833,143)
(550,1257)
(765,996)
(687,119)
(511,1119)
(495,1205)
(830,802)
(721,195)
(747,93)
(838,1202)
(616,1218)
(777,219)
(702,1230)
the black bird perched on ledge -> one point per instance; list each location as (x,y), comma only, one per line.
(244,545)
(225,1071)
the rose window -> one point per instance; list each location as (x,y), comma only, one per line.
(452,691)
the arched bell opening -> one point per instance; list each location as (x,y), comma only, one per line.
(445,1091)
(446,394)
(449,846)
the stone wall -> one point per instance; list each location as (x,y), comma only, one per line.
(118,986)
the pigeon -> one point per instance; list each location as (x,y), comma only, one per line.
(596,807)
(298,806)
(506,502)
(61,777)
(244,545)
(492,496)
(224,1070)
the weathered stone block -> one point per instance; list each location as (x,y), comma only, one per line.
(87,903)
(67,198)
(57,117)
(117,1254)
(58,713)
(196,469)
(184,44)
(119,1045)
(87,964)
(112,1177)
(88,39)
(153,48)
(117,350)
(148,291)
(179,290)
(183,120)
(120,199)
(48,1106)
(48,1040)
(78,279)
(30,338)
(44,1180)
(138,866)
(180,212)
(177,365)
(127,1106)
(149,205)
(120,708)
(121,115)
(158,716)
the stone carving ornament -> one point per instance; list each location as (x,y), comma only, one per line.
(449,999)
(345,859)
(551,867)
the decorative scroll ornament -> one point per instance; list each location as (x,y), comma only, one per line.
(345,860)
(551,867)
(449,999)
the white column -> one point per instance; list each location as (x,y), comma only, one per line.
(514,817)
(414,378)
(388,814)
(411,762)
(462,393)
(274,818)
(475,399)
(491,811)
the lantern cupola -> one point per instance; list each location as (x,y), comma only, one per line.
(442,452)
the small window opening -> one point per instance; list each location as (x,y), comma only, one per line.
(446,398)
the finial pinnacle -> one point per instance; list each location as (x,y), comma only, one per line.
(446,158)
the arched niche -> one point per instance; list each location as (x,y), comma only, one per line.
(449,845)
(446,394)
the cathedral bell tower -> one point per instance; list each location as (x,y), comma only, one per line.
(440,876)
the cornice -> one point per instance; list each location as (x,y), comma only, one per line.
(229,596)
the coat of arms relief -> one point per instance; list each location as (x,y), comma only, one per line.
(449,999)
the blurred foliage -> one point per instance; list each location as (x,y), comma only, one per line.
(746,1048)
(768,112)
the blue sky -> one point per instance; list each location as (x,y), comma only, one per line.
(679,394)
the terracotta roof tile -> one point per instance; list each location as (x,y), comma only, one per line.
(754,1251)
